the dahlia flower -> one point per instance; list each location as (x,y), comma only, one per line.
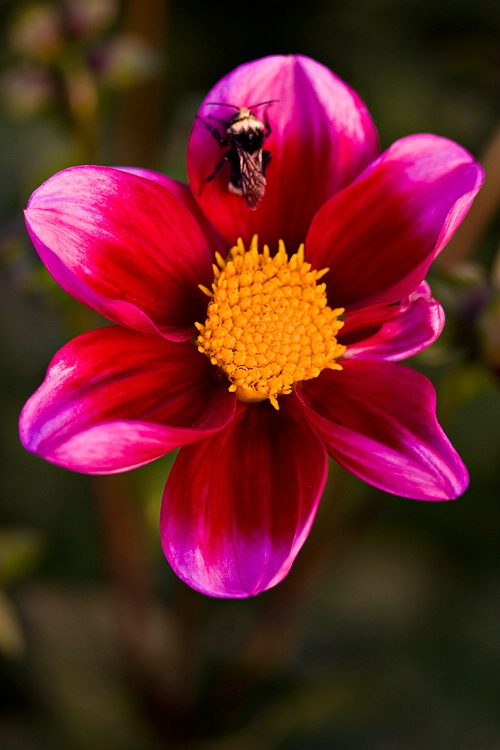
(257,341)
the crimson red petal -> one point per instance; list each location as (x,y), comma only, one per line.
(184,194)
(379,235)
(123,245)
(114,399)
(238,506)
(321,138)
(378,420)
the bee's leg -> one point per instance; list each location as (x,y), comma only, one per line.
(267,131)
(218,119)
(216,171)
(211,129)
(266,158)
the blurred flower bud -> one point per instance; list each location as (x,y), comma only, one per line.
(36,33)
(87,18)
(462,290)
(125,61)
(26,90)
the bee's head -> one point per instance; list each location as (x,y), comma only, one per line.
(244,116)
(241,112)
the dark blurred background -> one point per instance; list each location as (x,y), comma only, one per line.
(386,633)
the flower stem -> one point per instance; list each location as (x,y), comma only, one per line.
(486,205)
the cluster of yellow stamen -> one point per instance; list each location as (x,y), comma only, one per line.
(268,324)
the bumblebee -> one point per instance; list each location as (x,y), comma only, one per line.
(244,136)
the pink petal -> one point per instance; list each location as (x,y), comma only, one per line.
(379,235)
(114,399)
(238,507)
(123,245)
(322,138)
(394,332)
(378,420)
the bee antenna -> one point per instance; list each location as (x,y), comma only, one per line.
(222,104)
(233,106)
(261,104)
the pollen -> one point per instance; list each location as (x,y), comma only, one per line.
(268,324)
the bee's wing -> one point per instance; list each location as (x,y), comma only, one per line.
(253,182)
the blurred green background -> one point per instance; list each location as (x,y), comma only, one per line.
(386,633)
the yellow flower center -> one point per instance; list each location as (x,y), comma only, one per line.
(268,324)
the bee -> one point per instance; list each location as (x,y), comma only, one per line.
(244,136)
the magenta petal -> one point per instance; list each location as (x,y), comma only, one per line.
(123,245)
(114,399)
(238,506)
(378,420)
(322,138)
(394,332)
(379,235)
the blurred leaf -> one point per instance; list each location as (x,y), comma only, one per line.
(11,638)
(495,272)
(464,383)
(20,551)
(489,327)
